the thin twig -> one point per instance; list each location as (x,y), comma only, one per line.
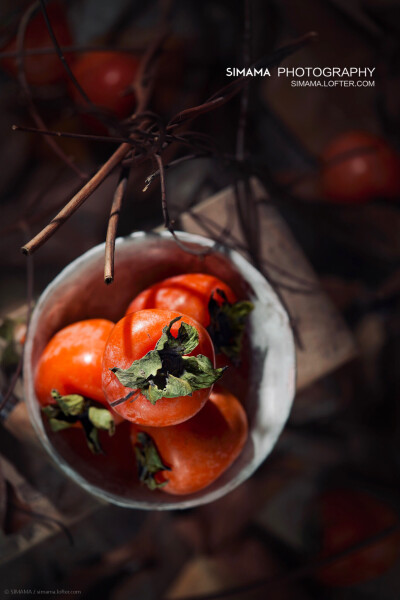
(106,119)
(27,92)
(149,180)
(77,200)
(226,93)
(248,217)
(167,221)
(143,86)
(164,206)
(112,226)
(62,57)
(108,166)
(211,228)
(218,235)
(144,81)
(204,143)
(76,136)
(143,89)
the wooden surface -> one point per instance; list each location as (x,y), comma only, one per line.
(327,342)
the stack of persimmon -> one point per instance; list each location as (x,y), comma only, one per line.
(155,370)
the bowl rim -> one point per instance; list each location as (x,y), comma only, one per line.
(28,376)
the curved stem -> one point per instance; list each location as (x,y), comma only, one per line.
(112,226)
(27,92)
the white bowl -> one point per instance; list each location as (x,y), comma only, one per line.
(142,259)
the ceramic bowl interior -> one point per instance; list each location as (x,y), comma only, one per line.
(265,384)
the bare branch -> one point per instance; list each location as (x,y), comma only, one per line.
(192,113)
(224,94)
(149,180)
(27,92)
(143,83)
(167,221)
(61,55)
(77,200)
(112,226)
(146,123)
(76,136)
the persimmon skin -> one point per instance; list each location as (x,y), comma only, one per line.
(134,336)
(189,294)
(359,167)
(199,450)
(71,363)
(106,78)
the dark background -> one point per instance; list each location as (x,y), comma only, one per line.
(344,430)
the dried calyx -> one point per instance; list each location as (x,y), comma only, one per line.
(167,371)
(149,462)
(227,323)
(73,409)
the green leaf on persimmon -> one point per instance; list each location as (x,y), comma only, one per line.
(149,461)
(141,371)
(185,342)
(74,408)
(101,418)
(59,425)
(71,405)
(167,371)
(227,324)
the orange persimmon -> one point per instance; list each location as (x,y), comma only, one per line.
(188,457)
(158,367)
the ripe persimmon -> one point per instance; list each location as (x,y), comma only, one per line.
(68,380)
(185,458)
(359,167)
(207,299)
(71,363)
(158,367)
(189,293)
(107,79)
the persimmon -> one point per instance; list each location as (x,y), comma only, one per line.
(106,78)
(359,167)
(188,293)
(207,299)
(71,363)
(185,458)
(158,367)
(68,381)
